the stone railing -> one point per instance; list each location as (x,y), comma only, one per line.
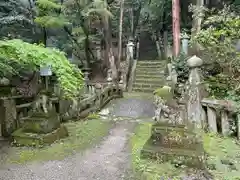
(220,115)
(96,96)
(93,102)
(215,115)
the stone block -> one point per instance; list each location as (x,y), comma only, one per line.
(40,124)
(23,138)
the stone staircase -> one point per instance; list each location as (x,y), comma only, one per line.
(149,76)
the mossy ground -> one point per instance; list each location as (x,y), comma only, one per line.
(82,135)
(218,148)
(224,156)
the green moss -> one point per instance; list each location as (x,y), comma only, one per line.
(38,140)
(93,116)
(223,156)
(164,92)
(81,136)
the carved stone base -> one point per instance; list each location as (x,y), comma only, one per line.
(174,143)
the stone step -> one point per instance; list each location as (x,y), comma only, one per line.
(146,85)
(149,76)
(156,81)
(151,63)
(149,73)
(155,68)
(146,90)
(151,67)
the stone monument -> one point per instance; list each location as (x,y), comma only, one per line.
(41,127)
(172,139)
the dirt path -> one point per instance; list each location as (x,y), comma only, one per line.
(108,161)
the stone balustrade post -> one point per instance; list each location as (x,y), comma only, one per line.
(212,119)
(109,77)
(194,107)
(86,82)
(225,123)
(121,85)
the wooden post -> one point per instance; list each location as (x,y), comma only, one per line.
(176,27)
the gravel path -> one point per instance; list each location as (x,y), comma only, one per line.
(108,161)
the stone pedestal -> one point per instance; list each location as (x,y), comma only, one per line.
(40,129)
(174,143)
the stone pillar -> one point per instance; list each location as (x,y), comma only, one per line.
(212,119)
(185,40)
(98,51)
(130,46)
(194,107)
(225,123)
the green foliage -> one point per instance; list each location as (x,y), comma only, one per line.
(219,85)
(33,56)
(218,40)
(181,67)
(48,14)
(223,157)
(164,92)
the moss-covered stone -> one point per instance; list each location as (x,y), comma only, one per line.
(165,92)
(41,124)
(23,138)
(174,143)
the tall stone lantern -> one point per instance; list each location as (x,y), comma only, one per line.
(185,41)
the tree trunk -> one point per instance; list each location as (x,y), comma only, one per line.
(132,22)
(197,21)
(107,39)
(120,33)
(176,27)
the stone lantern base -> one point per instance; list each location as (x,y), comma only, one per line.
(39,129)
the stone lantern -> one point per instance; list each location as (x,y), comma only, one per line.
(185,40)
